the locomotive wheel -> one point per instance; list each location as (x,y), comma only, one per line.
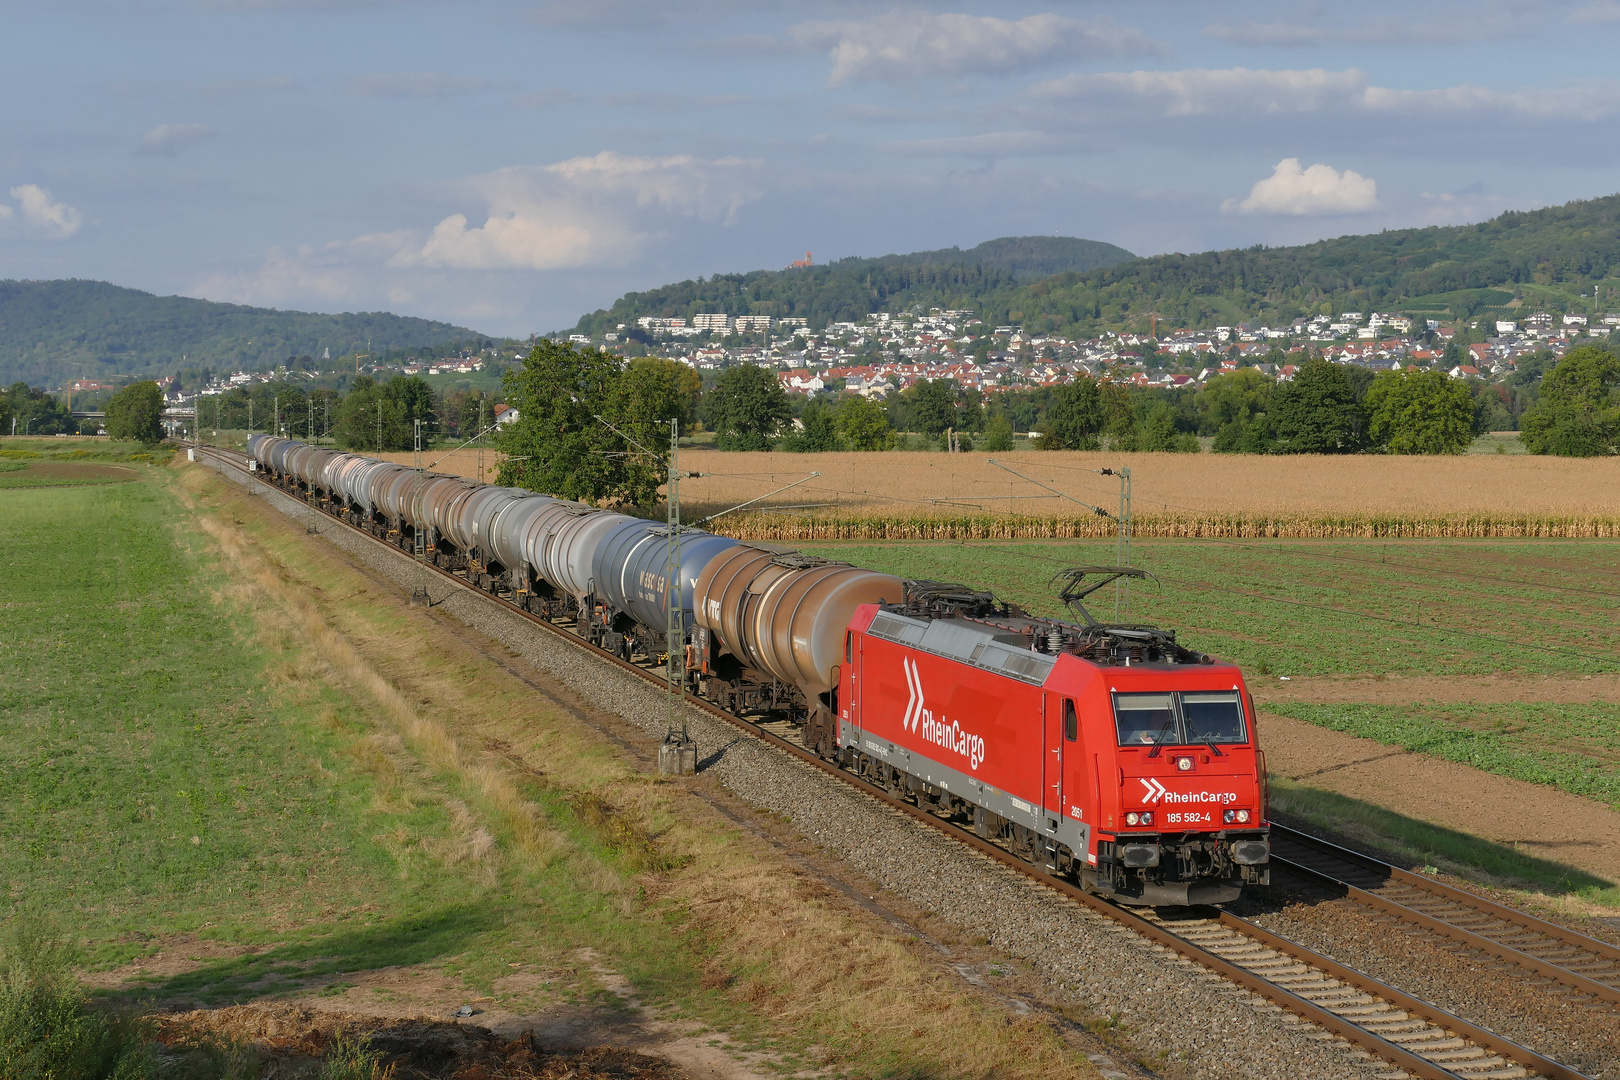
(896,783)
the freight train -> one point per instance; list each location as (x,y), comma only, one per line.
(1109,754)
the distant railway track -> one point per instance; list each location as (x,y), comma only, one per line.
(1569,963)
(1414,1036)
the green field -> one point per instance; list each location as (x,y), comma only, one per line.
(222,741)
(157,779)
(1325,607)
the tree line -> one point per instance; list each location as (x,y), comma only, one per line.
(594,427)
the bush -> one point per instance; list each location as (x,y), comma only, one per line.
(47,1033)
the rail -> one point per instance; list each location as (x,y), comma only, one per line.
(1368,1006)
(1554,952)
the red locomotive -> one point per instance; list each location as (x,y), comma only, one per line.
(1105,752)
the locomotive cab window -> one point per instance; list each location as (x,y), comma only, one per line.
(1071,727)
(1143,719)
(1213,718)
(1180,719)
(849,645)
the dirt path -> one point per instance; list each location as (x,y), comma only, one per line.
(1540,820)
(1406,690)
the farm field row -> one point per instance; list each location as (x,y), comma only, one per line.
(913,482)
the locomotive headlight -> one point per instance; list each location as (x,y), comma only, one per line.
(1185,764)
(1240,816)
(1139,817)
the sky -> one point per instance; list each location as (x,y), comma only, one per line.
(509,165)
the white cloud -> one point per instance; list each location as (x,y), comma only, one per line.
(34,205)
(1229,90)
(919,44)
(1246,91)
(1318,190)
(166,140)
(585,211)
(1589,102)
(415,84)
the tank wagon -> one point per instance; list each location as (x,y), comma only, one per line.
(1109,754)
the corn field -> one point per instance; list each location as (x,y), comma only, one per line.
(781,527)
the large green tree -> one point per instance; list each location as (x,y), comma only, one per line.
(585,429)
(135,413)
(864,425)
(1232,401)
(1317,412)
(1075,419)
(746,408)
(930,406)
(34,412)
(376,417)
(1577,415)
(1420,412)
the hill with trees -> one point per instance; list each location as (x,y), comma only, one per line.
(850,289)
(1559,259)
(52,331)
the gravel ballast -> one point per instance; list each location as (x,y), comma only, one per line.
(1168,1007)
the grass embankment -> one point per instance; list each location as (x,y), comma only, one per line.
(1436,609)
(230,745)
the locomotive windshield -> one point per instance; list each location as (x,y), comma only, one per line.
(1144,718)
(1179,719)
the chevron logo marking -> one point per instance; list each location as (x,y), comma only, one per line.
(1155,790)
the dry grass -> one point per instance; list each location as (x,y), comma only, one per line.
(778,944)
(923,496)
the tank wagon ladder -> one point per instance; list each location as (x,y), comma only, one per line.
(1414,1036)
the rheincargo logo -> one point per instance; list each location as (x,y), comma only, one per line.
(1157,792)
(921,720)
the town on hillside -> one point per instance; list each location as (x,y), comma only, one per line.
(887,352)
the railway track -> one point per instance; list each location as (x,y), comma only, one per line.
(1562,961)
(1415,1037)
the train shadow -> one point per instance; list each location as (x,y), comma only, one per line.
(293,966)
(1424,847)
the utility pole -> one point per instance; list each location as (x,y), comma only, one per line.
(250,416)
(678,754)
(379,425)
(419,594)
(275,425)
(480,438)
(309,424)
(1122,593)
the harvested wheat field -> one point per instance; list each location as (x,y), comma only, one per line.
(912,495)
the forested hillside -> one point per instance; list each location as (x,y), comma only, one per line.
(849,289)
(56,330)
(1550,259)
(1564,258)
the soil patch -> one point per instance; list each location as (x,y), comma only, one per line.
(1539,820)
(66,474)
(1408,690)
(289,1039)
